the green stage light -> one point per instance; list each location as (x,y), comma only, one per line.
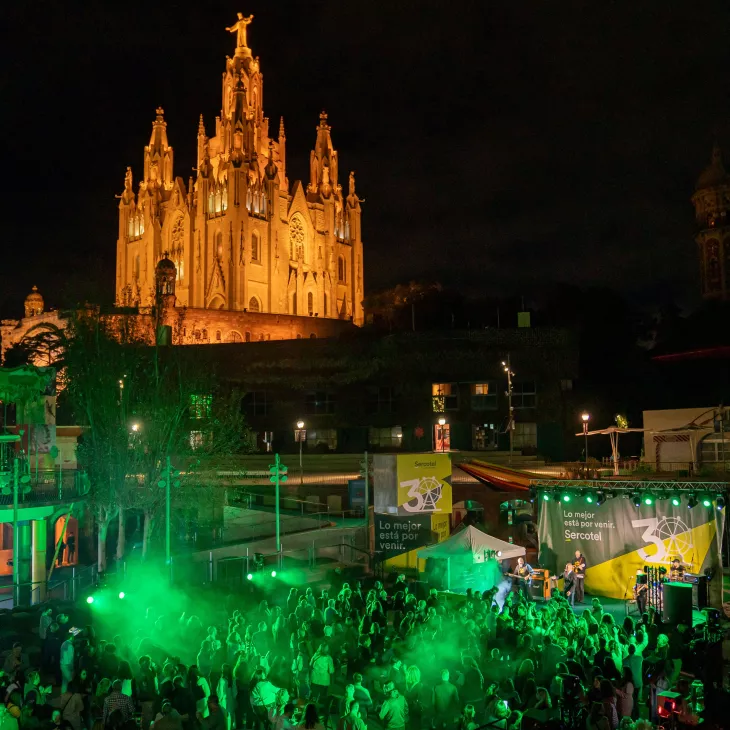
(566,498)
(648,500)
(249,576)
(676,501)
(121,594)
(589,499)
(546,497)
(89,599)
(706,502)
(273,574)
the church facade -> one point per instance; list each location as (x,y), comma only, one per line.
(244,241)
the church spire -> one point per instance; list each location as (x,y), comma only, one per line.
(158,155)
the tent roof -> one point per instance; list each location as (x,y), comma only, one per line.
(470,540)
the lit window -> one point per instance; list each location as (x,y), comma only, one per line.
(217,335)
(523,394)
(484,396)
(386,438)
(196,440)
(255,246)
(321,402)
(310,303)
(444,397)
(253,305)
(200,406)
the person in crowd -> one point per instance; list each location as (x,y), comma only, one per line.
(115,701)
(446,704)
(394,710)
(322,669)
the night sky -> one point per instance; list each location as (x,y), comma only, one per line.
(501,147)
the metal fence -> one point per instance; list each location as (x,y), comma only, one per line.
(70,589)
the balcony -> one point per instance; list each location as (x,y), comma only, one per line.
(46,487)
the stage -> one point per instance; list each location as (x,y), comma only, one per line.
(617,608)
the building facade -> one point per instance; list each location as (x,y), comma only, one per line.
(242,238)
(359,392)
(711,201)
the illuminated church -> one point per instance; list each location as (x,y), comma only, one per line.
(245,243)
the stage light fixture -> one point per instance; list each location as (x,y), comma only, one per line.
(676,500)
(546,496)
(273,574)
(706,502)
(589,498)
(648,500)
(89,599)
(249,576)
(499,553)
(566,498)
(532,494)
(600,498)
(720,502)
(691,502)
(556,497)
(636,499)
(122,594)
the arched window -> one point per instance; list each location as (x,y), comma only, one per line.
(136,266)
(310,303)
(248,337)
(234,337)
(297,237)
(326,305)
(341,271)
(254,305)
(217,335)
(312,336)
(219,245)
(255,247)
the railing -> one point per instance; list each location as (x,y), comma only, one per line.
(47,486)
(69,589)
(234,570)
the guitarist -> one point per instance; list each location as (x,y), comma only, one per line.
(579,568)
(522,578)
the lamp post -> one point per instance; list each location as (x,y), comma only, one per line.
(585,417)
(301,435)
(442,423)
(511,422)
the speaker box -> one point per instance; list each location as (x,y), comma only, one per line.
(677,603)
(699,593)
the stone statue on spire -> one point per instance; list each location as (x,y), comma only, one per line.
(240,27)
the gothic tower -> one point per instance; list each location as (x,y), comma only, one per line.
(712,212)
(241,238)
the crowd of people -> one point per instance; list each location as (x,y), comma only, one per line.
(353,657)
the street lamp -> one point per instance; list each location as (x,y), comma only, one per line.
(301,435)
(585,417)
(511,422)
(442,423)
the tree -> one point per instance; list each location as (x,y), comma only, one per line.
(133,398)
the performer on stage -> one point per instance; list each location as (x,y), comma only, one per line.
(579,568)
(641,592)
(676,570)
(569,582)
(522,578)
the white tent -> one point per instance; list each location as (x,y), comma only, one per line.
(469,546)
(474,541)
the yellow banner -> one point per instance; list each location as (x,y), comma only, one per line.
(424,483)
